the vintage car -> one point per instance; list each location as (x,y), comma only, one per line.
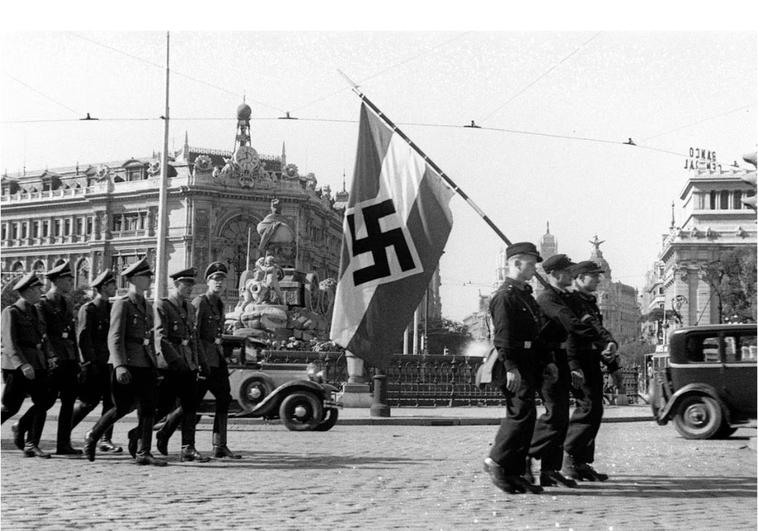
(708,386)
(296,393)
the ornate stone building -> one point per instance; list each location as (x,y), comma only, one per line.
(105,215)
(714,221)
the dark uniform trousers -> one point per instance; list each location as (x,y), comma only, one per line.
(588,414)
(551,427)
(17,387)
(95,379)
(22,338)
(514,436)
(181,385)
(63,377)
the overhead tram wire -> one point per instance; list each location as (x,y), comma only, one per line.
(395,65)
(700,121)
(175,72)
(539,78)
(43,94)
(348,121)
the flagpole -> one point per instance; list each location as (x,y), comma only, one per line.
(434,166)
(160,261)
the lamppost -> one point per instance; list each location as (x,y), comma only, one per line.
(713,273)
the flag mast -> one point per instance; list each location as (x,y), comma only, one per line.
(161,262)
(434,166)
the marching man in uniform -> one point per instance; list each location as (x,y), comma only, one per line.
(24,366)
(135,378)
(57,317)
(178,361)
(92,337)
(517,323)
(584,359)
(210,328)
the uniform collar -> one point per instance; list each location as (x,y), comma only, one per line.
(518,284)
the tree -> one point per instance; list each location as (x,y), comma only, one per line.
(738,293)
(445,333)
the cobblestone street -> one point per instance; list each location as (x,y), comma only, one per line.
(380,477)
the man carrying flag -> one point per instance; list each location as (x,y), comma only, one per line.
(396,225)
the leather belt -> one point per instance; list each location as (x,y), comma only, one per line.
(520,344)
(178,341)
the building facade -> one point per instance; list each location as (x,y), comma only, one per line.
(714,221)
(105,216)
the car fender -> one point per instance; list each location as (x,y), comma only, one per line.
(691,389)
(272,401)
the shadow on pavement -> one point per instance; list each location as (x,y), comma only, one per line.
(253,460)
(666,487)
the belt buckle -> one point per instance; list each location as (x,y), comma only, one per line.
(185,342)
(217,341)
(64,335)
(527,344)
(145,342)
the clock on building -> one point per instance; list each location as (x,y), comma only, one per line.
(246,158)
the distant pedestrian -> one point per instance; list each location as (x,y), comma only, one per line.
(92,329)
(57,315)
(25,362)
(517,324)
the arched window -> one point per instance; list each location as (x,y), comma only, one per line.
(713,199)
(738,199)
(724,201)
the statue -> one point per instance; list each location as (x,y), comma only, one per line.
(265,281)
(274,227)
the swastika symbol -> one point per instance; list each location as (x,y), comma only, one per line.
(376,243)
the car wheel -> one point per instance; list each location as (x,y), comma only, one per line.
(698,417)
(330,419)
(253,391)
(301,411)
(725,431)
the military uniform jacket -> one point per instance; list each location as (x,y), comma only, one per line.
(130,336)
(210,328)
(516,325)
(175,332)
(57,318)
(23,337)
(92,331)
(587,349)
(560,320)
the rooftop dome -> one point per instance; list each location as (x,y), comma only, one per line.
(244,111)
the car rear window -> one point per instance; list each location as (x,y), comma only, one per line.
(740,349)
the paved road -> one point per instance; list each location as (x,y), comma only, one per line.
(381,477)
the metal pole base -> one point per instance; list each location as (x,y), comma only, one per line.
(380,407)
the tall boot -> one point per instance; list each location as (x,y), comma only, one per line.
(103,424)
(168,428)
(81,410)
(220,450)
(63,438)
(145,434)
(106,444)
(36,425)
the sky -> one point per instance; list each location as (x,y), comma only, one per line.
(555,106)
